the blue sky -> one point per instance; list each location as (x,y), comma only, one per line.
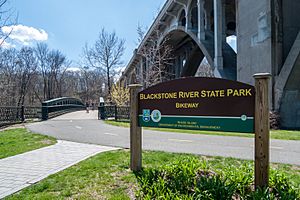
(68,24)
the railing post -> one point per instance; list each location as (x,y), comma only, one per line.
(116,113)
(44,111)
(22,113)
(101,111)
(135,130)
(262,130)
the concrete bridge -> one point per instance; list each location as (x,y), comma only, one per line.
(267,36)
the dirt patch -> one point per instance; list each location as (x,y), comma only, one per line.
(47,142)
(12,127)
(131,187)
(296,168)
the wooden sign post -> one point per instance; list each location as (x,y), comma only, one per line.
(135,130)
(262,130)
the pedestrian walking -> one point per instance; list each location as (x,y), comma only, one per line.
(87,107)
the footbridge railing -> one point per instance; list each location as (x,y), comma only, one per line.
(59,106)
(114,112)
(13,114)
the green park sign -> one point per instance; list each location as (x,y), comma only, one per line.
(204,104)
(196,103)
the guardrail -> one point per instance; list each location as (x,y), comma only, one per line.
(13,115)
(59,106)
(117,113)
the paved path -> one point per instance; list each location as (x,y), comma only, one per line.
(90,130)
(20,171)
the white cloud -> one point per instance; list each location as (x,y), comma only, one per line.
(25,34)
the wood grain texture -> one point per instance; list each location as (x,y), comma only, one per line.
(135,130)
(262,130)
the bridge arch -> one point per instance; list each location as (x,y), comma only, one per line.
(201,49)
(194,50)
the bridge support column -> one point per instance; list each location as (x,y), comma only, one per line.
(218,34)
(201,32)
(207,11)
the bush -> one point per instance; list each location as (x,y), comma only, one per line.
(274,120)
(191,178)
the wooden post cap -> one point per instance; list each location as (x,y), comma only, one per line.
(135,86)
(262,75)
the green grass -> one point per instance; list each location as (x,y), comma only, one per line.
(275,134)
(106,176)
(20,140)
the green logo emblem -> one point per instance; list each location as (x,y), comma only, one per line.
(243,117)
(146,115)
(156,116)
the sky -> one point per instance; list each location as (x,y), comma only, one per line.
(67,25)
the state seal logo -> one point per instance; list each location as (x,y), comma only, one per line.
(244,117)
(156,116)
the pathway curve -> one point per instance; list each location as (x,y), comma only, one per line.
(20,171)
(85,128)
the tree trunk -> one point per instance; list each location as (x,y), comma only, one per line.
(108,81)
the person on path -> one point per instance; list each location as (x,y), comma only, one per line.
(87,107)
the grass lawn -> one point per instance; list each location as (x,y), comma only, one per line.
(20,140)
(106,176)
(275,134)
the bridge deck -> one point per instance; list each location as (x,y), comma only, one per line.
(93,114)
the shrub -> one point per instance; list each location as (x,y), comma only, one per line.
(281,187)
(274,120)
(120,94)
(191,178)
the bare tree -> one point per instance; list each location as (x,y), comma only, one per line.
(41,52)
(91,81)
(106,55)
(158,55)
(85,80)
(8,76)
(204,69)
(32,75)
(6,19)
(27,65)
(57,65)
(53,66)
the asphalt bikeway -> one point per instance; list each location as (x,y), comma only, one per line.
(84,127)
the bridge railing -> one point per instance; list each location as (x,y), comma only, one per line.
(113,112)
(52,108)
(33,112)
(12,114)
(59,106)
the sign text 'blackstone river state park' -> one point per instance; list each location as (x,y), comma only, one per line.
(198,104)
